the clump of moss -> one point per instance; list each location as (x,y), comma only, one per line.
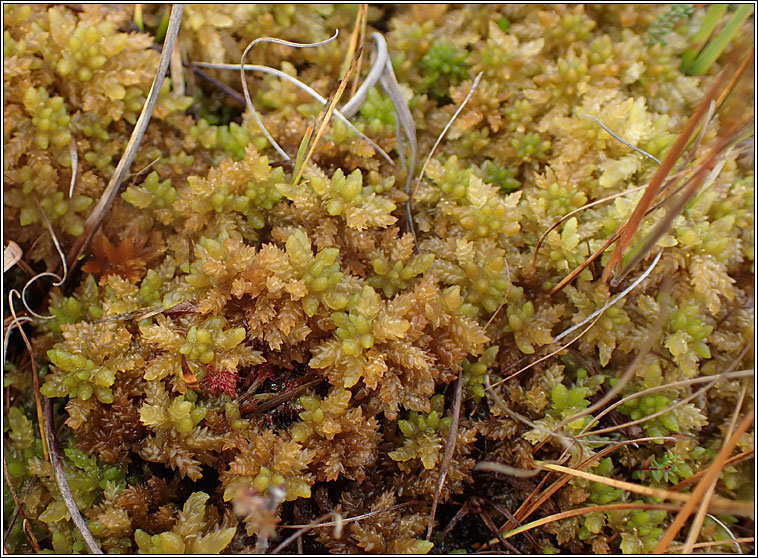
(243,352)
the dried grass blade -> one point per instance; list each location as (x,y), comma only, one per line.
(74,154)
(287,395)
(60,479)
(375,74)
(612,301)
(732,82)
(528,507)
(725,528)
(651,338)
(300,532)
(623,485)
(177,70)
(574,274)
(273,71)
(582,511)
(574,212)
(713,471)
(740,457)
(447,127)
(632,224)
(326,113)
(697,523)
(677,205)
(16,514)
(447,458)
(492,527)
(249,103)
(621,140)
(12,254)
(734,541)
(358,36)
(59,280)
(98,213)
(404,120)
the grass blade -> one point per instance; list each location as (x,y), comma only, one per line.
(632,224)
(712,17)
(249,103)
(327,111)
(273,71)
(716,46)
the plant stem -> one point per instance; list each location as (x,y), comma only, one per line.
(712,17)
(716,47)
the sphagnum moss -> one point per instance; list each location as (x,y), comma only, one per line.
(167,439)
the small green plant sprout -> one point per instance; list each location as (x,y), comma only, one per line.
(191,533)
(473,373)
(566,402)
(668,468)
(665,22)
(442,66)
(496,174)
(424,435)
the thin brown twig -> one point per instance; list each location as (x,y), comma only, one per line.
(646,417)
(300,532)
(326,114)
(35,375)
(651,338)
(19,508)
(720,503)
(677,205)
(526,509)
(460,108)
(574,212)
(508,515)
(354,518)
(286,396)
(249,102)
(547,356)
(492,527)
(447,458)
(357,37)
(734,460)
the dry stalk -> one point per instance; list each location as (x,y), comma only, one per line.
(712,474)
(338,523)
(110,192)
(326,115)
(249,103)
(628,229)
(697,523)
(447,458)
(474,85)
(19,509)
(60,479)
